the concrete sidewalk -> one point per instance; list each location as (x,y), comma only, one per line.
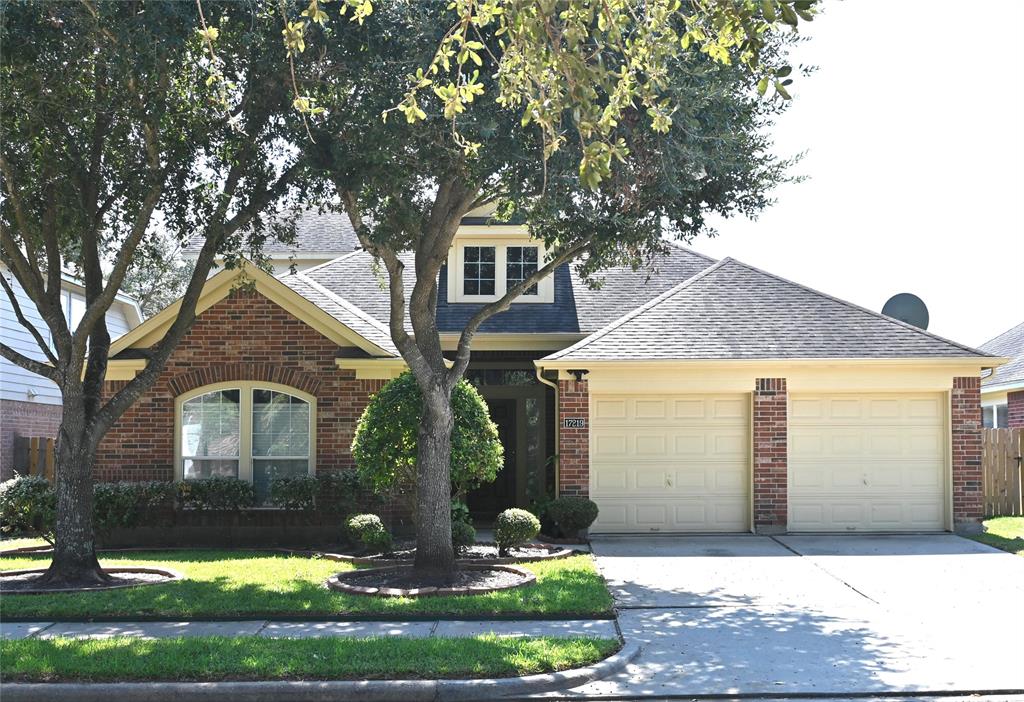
(598,628)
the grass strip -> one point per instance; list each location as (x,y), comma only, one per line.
(258,658)
(1004,533)
(225,583)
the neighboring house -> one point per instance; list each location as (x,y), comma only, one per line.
(319,237)
(1002,391)
(30,404)
(693,396)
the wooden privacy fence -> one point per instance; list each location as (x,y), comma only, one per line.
(1001,465)
(34,455)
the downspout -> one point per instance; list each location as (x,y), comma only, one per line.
(558,435)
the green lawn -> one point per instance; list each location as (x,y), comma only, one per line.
(1006,533)
(21,542)
(251,657)
(236,583)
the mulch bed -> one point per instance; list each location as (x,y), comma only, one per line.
(402,581)
(26,582)
(478,554)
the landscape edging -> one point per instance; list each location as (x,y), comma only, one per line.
(324,691)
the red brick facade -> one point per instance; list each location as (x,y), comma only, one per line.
(28,419)
(245,336)
(1015,409)
(965,424)
(770,451)
(573,443)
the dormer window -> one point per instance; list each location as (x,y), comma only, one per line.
(484,268)
(478,270)
(520,264)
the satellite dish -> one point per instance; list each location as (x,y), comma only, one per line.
(908,308)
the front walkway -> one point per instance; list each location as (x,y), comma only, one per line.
(813,615)
(598,628)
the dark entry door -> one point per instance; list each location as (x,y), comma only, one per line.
(486,501)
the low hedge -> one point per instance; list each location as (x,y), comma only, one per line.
(28,503)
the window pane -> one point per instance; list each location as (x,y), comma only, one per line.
(266,469)
(280,424)
(1002,416)
(520,264)
(196,468)
(210,425)
(478,270)
(987,417)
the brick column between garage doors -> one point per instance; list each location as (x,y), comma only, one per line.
(770,447)
(965,425)
(1015,409)
(573,442)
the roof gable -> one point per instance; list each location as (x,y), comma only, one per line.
(1011,345)
(734,311)
(327,314)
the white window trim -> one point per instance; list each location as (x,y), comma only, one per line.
(456,259)
(994,405)
(245,388)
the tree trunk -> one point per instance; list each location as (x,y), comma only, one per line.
(435,555)
(74,553)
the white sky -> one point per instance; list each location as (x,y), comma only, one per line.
(914,132)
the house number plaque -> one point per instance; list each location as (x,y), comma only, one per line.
(574,423)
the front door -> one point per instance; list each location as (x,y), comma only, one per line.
(488,500)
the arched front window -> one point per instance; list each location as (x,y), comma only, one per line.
(247,430)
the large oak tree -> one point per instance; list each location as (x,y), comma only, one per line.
(114,141)
(600,178)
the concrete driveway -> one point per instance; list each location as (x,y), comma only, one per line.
(818,615)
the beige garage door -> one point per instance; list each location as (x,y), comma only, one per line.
(867,462)
(670,463)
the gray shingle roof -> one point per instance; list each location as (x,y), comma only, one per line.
(327,233)
(735,311)
(576,308)
(351,316)
(1011,345)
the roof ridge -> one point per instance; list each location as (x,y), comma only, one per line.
(679,246)
(999,336)
(855,306)
(632,314)
(333,260)
(338,299)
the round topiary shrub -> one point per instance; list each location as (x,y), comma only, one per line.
(384,447)
(514,527)
(572,514)
(369,530)
(463,535)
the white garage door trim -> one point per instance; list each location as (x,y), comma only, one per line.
(670,463)
(868,462)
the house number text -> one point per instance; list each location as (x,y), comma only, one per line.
(574,423)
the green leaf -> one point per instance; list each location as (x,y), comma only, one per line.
(762,86)
(768,10)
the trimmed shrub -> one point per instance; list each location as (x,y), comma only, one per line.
(572,514)
(124,505)
(514,527)
(295,492)
(463,535)
(339,492)
(369,530)
(217,493)
(28,503)
(384,447)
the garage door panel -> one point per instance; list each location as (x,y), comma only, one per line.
(868,462)
(872,442)
(662,463)
(686,515)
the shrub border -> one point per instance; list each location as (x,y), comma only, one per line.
(554,555)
